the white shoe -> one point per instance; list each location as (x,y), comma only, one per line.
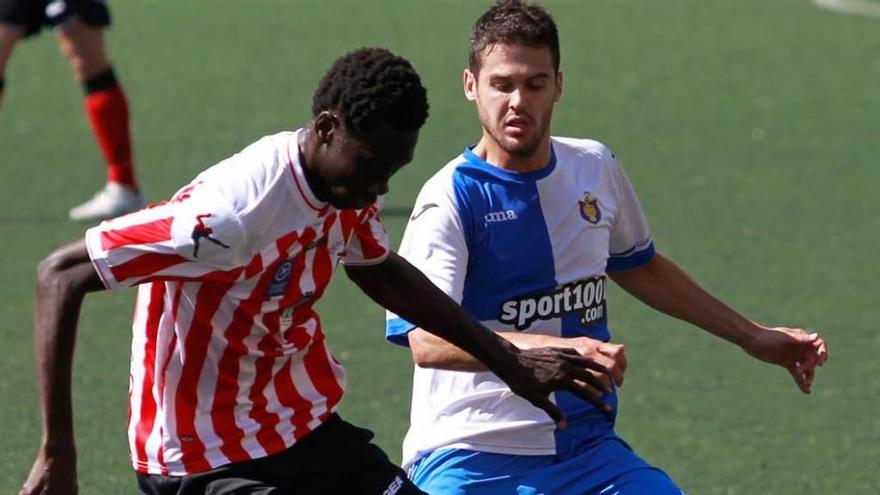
(112,201)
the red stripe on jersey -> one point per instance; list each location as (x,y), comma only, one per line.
(145,265)
(321,372)
(322,266)
(370,246)
(195,348)
(254,267)
(348,219)
(289,397)
(175,304)
(228,276)
(148,404)
(267,436)
(145,233)
(226,393)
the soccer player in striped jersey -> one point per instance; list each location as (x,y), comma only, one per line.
(524,229)
(233,387)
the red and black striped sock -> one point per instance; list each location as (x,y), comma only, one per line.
(107,109)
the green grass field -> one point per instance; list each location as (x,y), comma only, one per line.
(750,129)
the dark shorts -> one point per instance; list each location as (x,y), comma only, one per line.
(32,15)
(336,458)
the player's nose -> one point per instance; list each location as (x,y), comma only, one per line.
(516,100)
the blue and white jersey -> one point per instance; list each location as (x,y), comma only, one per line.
(521,252)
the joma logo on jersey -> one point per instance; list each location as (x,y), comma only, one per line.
(589,208)
(500,216)
(586,296)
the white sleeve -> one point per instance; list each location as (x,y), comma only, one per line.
(196,238)
(630,244)
(434,242)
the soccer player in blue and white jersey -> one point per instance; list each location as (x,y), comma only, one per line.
(523,229)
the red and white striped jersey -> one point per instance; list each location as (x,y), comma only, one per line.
(228,360)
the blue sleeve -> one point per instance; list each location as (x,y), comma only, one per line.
(631,259)
(396,330)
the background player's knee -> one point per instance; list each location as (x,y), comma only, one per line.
(83,47)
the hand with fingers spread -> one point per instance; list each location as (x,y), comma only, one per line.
(543,370)
(795,349)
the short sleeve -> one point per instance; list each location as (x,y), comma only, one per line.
(433,242)
(631,245)
(368,244)
(197,237)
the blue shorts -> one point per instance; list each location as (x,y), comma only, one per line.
(607,466)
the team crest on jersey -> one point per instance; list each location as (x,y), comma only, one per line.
(589,208)
(281,279)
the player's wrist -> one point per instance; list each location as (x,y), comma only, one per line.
(58,448)
(746,333)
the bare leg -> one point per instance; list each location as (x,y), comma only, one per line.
(83,47)
(107,110)
(9,36)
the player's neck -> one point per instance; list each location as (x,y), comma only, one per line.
(492,153)
(305,146)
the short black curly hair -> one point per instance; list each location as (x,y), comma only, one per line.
(513,22)
(372,85)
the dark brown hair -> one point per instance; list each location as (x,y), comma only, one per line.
(513,22)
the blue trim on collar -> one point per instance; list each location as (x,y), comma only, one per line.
(533,176)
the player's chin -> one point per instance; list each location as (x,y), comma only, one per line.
(521,147)
(352,202)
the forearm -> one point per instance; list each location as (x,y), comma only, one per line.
(430,351)
(664,286)
(401,288)
(63,280)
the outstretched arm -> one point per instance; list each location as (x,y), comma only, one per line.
(664,286)
(63,279)
(532,373)
(430,351)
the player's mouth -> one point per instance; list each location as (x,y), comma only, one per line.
(516,127)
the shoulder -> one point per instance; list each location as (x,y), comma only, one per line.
(247,177)
(592,150)
(444,184)
(206,228)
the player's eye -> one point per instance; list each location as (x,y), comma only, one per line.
(503,86)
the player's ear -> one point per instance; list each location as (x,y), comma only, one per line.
(470,85)
(558,94)
(326,125)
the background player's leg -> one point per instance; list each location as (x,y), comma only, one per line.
(107,110)
(9,36)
